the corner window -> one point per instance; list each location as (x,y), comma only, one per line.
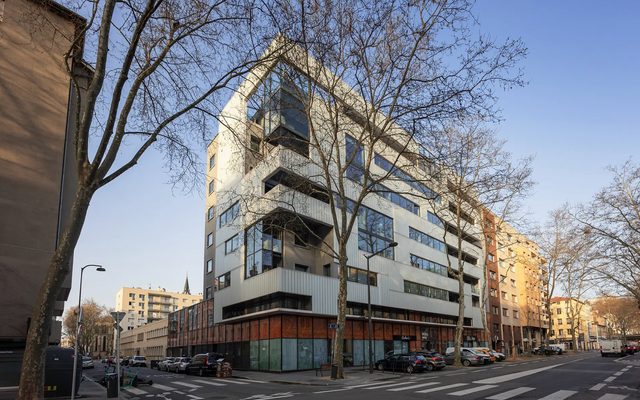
(264,249)
(232,244)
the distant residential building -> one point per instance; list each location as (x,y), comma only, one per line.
(569,315)
(37,171)
(148,305)
(148,340)
(516,314)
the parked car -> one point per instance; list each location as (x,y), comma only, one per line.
(179,364)
(486,351)
(164,364)
(468,357)
(87,362)
(204,364)
(495,356)
(402,362)
(499,356)
(434,361)
(125,361)
(547,350)
(138,361)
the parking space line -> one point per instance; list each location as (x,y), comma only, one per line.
(598,386)
(610,379)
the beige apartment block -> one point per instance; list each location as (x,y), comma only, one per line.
(573,315)
(148,340)
(524,319)
(148,305)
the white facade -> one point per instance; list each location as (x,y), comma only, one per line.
(233,181)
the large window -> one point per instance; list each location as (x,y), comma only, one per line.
(434,219)
(426,239)
(426,291)
(375,232)
(355,159)
(264,249)
(397,199)
(403,176)
(428,265)
(360,276)
(232,244)
(229,215)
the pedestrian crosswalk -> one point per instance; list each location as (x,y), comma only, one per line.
(182,387)
(493,391)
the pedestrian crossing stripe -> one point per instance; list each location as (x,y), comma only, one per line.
(560,395)
(189,385)
(413,386)
(209,382)
(511,393)
(472,390)
(455,385)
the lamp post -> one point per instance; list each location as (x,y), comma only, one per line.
(370,328)
(99,268)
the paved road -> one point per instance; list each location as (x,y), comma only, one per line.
(585,376)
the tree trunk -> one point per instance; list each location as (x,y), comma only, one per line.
(460,323)
(338,343)
(32,373)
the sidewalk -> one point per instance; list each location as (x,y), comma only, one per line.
(88,390)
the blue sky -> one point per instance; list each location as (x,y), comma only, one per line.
(579,113)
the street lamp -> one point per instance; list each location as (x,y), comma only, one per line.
(370,329)
(99,268)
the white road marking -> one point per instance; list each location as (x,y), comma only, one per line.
(135,391)
(194,397)
(455,385)
(412,386)
(163,387)
(619,373)
(334,390)
(189,385)
(179,392)
(610,396)
(516,375)
(497,367)
(252,380)
(559,395)
(209,382)
(511,393)
(610,379)
(363,385)
(231,381)
(472,390)
(598,386)
(385,386)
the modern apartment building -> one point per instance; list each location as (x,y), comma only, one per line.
(569,315)
(148,305)
(37,172)
(148,340)
(271,283)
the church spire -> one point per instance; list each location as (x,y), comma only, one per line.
(186,286)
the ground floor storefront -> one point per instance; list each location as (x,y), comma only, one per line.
(285,342)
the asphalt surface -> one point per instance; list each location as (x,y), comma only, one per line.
(585,376)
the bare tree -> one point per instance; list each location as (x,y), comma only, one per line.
(155,70)
(612,219)
(94,318)
(479,174)
(621,312)
(358,80)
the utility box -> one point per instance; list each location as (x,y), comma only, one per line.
(58,371)
(112,385)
